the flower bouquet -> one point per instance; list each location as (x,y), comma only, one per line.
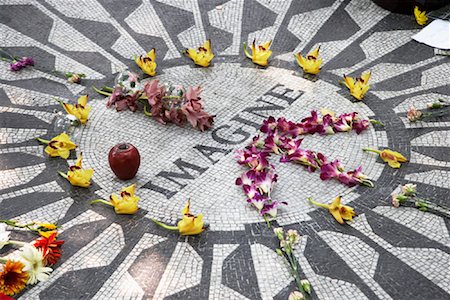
(165,103)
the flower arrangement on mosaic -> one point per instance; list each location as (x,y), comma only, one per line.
(16,63)
(288,240)
(165,103)
(434,110)
(282,137)
(408,196)
(80,110)
(32,263)
(189,224)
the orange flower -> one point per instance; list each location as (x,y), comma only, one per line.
(50,247)
(13,279)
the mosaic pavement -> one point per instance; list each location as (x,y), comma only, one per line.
(386,253)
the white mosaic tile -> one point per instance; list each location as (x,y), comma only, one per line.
(121,285)
(183,271)
(435,138)
(218,291)
(18,176)
(326,287)
(50,187)
(359,256)
(272,272)
(145,20)
(88,216)
(437,178)
(50,213)
(429,225)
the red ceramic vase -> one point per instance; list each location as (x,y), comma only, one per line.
(124,160)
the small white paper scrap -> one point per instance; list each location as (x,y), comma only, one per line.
(436,34)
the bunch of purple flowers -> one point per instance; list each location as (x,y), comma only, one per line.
(282,138)
(17,65)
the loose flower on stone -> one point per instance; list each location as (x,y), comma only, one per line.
(189,224)
(74,77)
(358,86)
(341,213)
(408,195)
(393,158)
(260,54)
(80,110)
(13,277)
(126,203)
(311,63)
(17,65)
(147,62)
(4,235)
(413,114)
(33,259)
(59,146)
(421,17)
(50,247)
(77,176)
(288,241)
(202,56)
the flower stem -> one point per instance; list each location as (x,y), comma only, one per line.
(58,100)
(107,89)
(43,141)
(102,201)
(310,199)
(101,92)
(376,122)
(165,226)
(267,221)
(63,175)
(371,150)
(3,260)
(246,52)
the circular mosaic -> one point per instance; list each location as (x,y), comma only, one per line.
(241,98)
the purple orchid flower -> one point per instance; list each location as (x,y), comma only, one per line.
(265,180)
(269,125)
(331,170)
(326,127)
(360,125)
(251,190)
(258,201)
(272,208)
(247,178)
(342,125)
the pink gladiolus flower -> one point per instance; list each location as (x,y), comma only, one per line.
(327,125)
(342,125)
(251,191)
(264,181)
(258,201)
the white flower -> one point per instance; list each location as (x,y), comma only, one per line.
(409,189)
(33,259)
(296,296)
(293,236)
(4,235)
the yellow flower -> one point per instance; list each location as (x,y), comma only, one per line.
(59,146)
(337,210)
(147,63)
(391,157)
(358,87)
(189,224)
(47,229)
(421,17)
(125,204)
(311,63)
(79,110)
(202,56)
(78,176)
(260,55)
